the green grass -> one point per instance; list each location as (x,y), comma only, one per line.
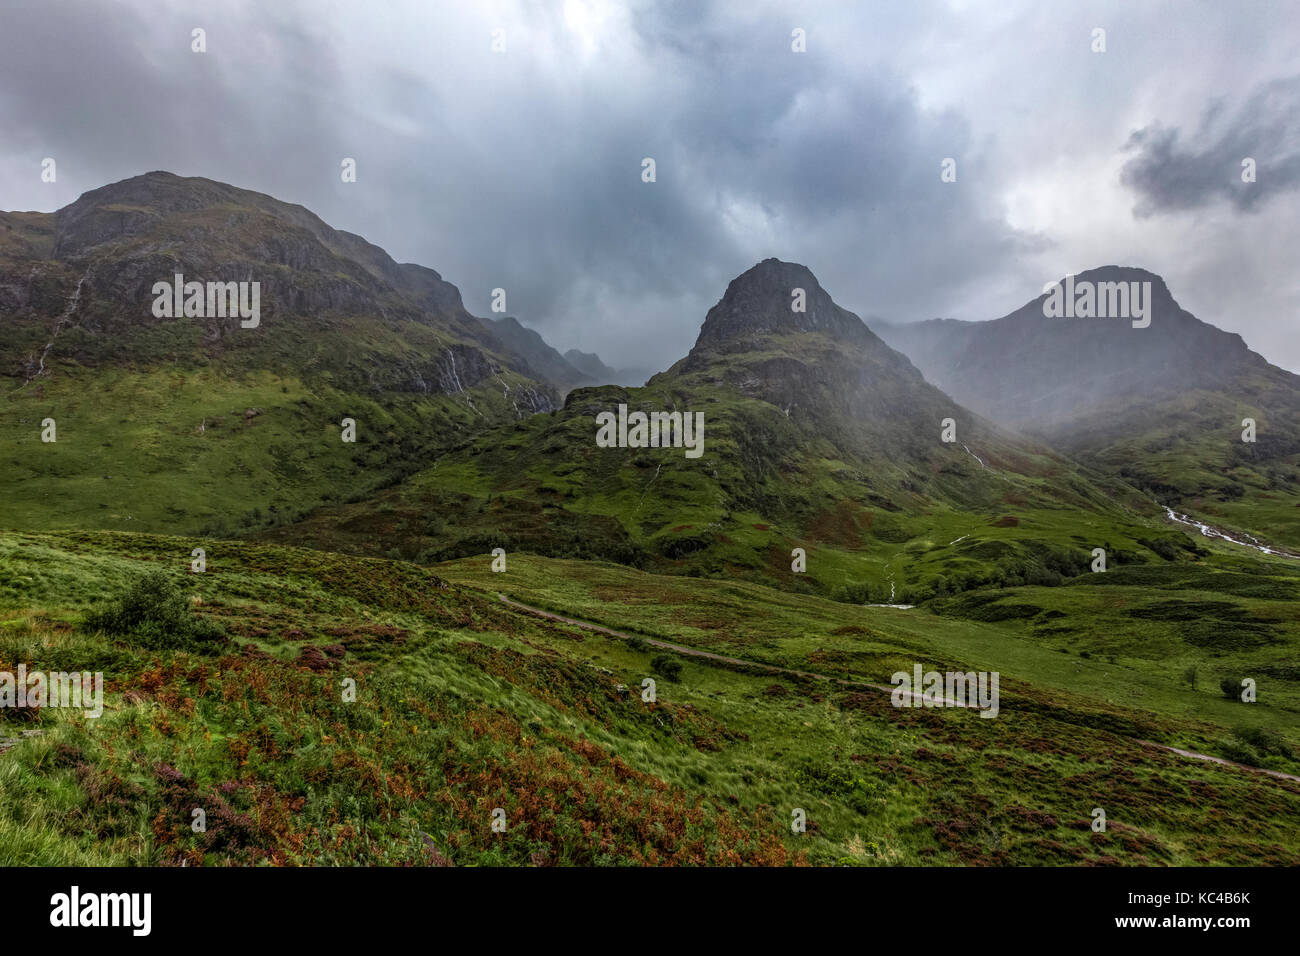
(1188,451)
(929,522)
(464,705)
(179,452)
(1081,642)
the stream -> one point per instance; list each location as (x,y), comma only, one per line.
(1210,531)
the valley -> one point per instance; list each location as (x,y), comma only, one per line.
(464,705)
(397,642)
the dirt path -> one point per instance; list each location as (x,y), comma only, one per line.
(1219,760)
(773,669)
(696,652)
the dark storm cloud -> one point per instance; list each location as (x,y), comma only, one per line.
(530,183)
(112,91)
(522,170)
(1174,171)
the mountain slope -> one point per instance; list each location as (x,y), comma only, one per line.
(590,365)
(565,372)
(538,357)
(1160,406)
(210,421)
(816,435)
(464,705)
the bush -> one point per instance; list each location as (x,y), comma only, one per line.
(1239,752)
(859,793)
(155,613)
(852,594)
(1231,687)
(638,643)
(1164,547)
(667,667)
(1263,739)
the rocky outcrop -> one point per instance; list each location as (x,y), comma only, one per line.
(762,300)
(330,300)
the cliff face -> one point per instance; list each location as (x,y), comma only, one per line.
(221,423)
(80,281)
(822,367)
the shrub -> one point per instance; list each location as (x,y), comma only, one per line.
(1264,739)
(1239,752)
(155,613)
(852,594)
(1231,687)
(1164,547)
(859,793)
(667,667)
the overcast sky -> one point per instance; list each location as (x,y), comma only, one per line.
(522,169)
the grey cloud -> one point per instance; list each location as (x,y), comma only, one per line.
(522,170)
(536,187)
(1172,171)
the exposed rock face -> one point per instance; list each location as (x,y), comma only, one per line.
(822,365)
(215,214)
(329,299)
(545,362)
(761,300)
(152,226)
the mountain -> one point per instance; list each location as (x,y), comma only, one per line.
(566,372)
(591,366)
(1161,406)
(537,357)
(816,435)
(808,432)
(165,421)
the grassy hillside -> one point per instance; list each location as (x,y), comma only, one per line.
(211,450)
(762,488)
(464,705)
(1121,640)
(1160,407)
(1188,452)
(194,423)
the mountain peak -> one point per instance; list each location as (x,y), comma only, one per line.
(776,296)
(1114,273)
(215,226)
(1079,372)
